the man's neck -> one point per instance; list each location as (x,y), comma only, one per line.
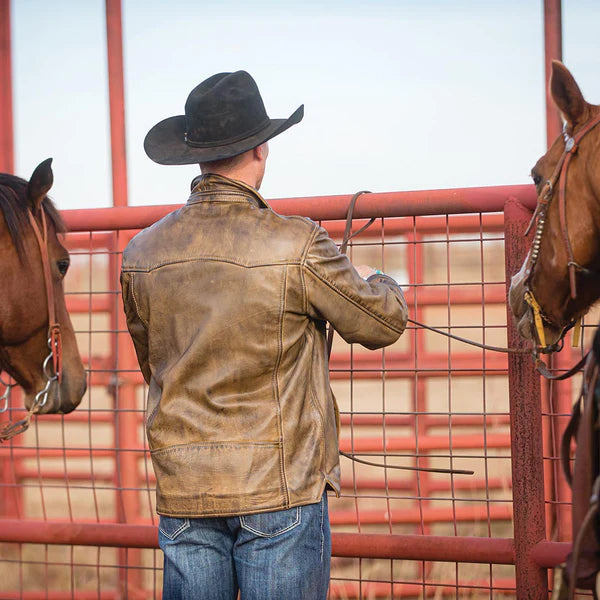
(244,175)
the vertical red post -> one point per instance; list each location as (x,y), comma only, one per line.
(7,508)
(126,443)
(525,427)
(553,51)
(560,392)
(7,164)
(116,92)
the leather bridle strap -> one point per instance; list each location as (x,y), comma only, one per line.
(571,146)
(54,338)
(348,235)
(547,374)
(11,429)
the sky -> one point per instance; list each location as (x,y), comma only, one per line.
(398,94)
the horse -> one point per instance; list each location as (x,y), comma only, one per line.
(38,348)
(560,277)
(556,285)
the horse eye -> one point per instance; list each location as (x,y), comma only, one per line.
(63,266)
(537,179)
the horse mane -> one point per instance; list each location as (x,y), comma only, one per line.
(14,207)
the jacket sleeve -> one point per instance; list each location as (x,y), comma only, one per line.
(372,313)
(137,328)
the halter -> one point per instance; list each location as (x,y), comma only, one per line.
(547,193)
(54,340)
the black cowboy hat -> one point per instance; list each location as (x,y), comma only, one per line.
(224,116)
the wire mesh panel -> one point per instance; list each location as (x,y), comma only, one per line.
(426,401)
(430,402)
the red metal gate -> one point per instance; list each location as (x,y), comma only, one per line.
(77,506)
(76,502)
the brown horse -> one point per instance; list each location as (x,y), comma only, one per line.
(29,265)
(562,273)
(558,282)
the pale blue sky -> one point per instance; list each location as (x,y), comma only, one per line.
(398,95)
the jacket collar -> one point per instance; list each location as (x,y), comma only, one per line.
(209,183)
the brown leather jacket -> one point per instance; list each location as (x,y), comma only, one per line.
(226,302)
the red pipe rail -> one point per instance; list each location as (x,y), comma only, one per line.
(7,162)
(322,208)
(366,545)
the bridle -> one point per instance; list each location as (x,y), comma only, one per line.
(54,357)
(559,176)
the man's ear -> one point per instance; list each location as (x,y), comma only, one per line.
(261,152)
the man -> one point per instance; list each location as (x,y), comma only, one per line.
(227,303)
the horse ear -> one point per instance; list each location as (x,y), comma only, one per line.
(40,183)
(566,93)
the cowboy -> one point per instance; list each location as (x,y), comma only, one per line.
(227,303)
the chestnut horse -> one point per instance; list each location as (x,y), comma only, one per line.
(557,284)
(41,357)
(562,270)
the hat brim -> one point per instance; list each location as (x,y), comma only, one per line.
(165,142)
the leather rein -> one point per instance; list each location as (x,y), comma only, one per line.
(559,175)
(54,357)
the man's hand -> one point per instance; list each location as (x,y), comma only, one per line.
(365,271)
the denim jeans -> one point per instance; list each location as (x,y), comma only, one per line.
(280,555)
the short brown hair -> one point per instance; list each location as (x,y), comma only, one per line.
(223,164)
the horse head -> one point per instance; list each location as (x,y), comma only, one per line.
(38,354)
(560,277)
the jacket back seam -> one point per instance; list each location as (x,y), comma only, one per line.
(276,387)
(135,302)
(208,258)
(308,244)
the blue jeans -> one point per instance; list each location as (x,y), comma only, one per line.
(279,555)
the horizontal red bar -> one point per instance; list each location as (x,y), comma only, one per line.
(425,443)
(426,420)
(343,590)
(370,589)
(411,226)
(425,296)
(358,445)
(432,485)
(356,545)
(425,547)
(386,204)
(57,595)
(416,515)
(549,554)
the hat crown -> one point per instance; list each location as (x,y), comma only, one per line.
(224,108)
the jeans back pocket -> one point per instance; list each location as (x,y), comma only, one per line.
(171,527)
(273,523)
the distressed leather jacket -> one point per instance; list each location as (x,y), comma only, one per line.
(227,302)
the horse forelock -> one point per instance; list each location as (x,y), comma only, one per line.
(14,207)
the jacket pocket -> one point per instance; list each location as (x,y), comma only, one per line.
(273,523)
(173,527)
